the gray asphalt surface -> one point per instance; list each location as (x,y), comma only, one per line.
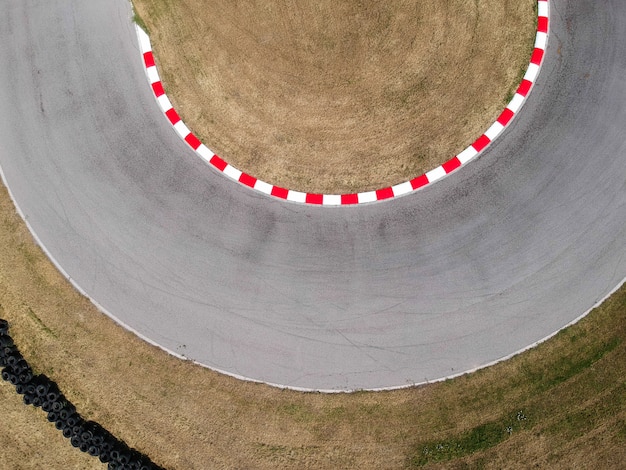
(475,267)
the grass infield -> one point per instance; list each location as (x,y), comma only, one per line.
(337,97)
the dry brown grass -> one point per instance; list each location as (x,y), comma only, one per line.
(28,441)
(345,96)
(572,389)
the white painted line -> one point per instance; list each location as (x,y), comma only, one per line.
(264,187)
(541,41)
(153,75)
(402,188)
(437,173)
(466,155)
(331,200)
(164,103)
(494,130)
(296,196)
(369,196)
(531,73)
(181,129)
(516,103)
(205,152)
(232,172)
(144,40)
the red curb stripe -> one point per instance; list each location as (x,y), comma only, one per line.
(349,199)
(384,193)
(157,88)
(542,24)
(314,199)
(451,165)
(172,115)
(148,59)
(218,163)
(481,143)
(419,181)
(280,192)
(524,87)
(193,141)
(537,56)
(247,180)
(506,116)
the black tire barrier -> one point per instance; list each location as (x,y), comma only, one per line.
(67,411)
(86,436)
(14,359)
(4,327)
(26,377)
(84,446)
(6,352)
(46,406)
(63,426)
(6,341)
(41,391)
(9,376)
(52,396)
(77,429)
(59,404)
(42,388)
(73,419)
(52,416)
(104,457)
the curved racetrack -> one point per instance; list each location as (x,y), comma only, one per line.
(491,259)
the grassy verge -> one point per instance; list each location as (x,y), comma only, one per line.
(333,96)
(140,22)
(561,405)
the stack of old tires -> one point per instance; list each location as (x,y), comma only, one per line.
(41,392)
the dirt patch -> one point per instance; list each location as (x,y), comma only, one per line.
(339,97)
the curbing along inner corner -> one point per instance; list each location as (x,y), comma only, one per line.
(471,152)
(41,392)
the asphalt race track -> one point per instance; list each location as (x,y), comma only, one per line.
(498,255)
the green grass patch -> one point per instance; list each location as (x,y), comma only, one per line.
(299,413)
(33,316)
(479,438)
(549,375)
(140,22)
(572,385)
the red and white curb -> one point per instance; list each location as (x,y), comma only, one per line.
(427,178)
